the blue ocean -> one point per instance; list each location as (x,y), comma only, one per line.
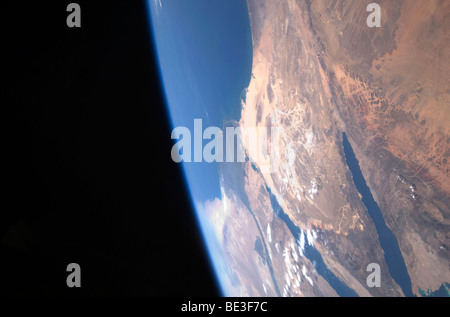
(205,54)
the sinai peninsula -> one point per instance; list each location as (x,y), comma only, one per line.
(362,181)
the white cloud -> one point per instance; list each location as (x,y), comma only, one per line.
(287,259)
(304,272)
(294,254)
(310,237)
(158,6)
(301,243)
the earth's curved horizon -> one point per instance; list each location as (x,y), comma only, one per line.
(363,174)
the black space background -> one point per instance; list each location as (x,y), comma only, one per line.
(87,169)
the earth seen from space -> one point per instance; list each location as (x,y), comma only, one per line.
(358,202)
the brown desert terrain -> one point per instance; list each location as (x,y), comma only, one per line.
(319,71)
